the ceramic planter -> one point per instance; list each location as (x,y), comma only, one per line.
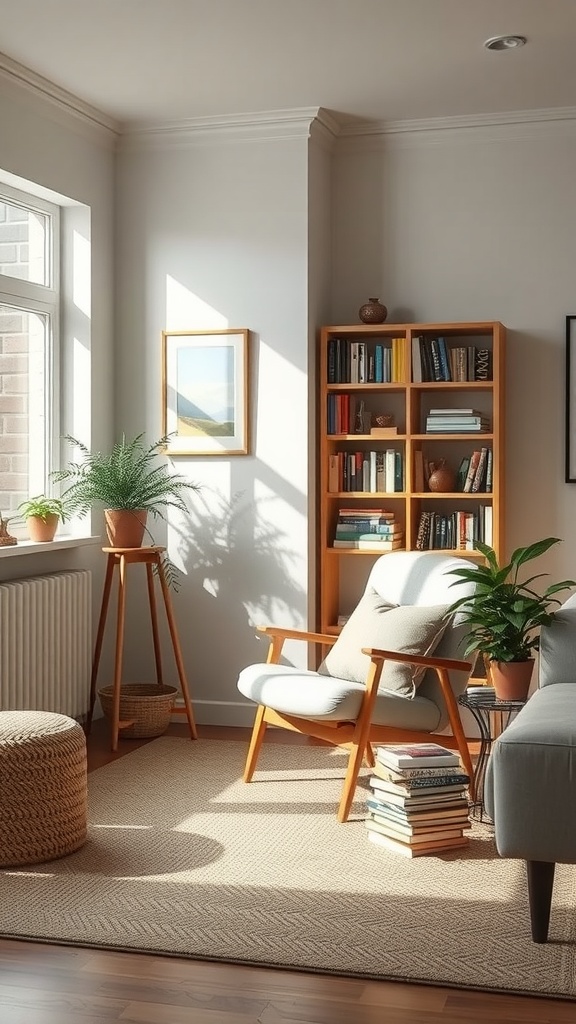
(42,528)
(125,527)
(511,679)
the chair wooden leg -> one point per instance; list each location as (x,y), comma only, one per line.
(357,752)
(457,730)
(360,746)
(255,743)
(369,756)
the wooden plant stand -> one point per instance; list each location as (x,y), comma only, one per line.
(122,558)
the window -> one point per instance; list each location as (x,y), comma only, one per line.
(29,317)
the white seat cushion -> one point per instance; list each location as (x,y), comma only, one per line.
(305,694)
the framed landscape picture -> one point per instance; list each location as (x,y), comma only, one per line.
(205,391)
(570,443)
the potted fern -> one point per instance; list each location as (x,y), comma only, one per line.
(129,482)
(42,515)
(505,614)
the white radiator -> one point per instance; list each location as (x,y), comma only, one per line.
(45,643)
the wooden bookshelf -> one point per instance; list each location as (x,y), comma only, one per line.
(345,439)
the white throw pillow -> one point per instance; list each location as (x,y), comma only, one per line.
(409,629)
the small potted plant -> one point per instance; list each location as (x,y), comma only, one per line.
(42,515)
(504,615)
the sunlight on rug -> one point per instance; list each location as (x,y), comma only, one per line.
(183,858)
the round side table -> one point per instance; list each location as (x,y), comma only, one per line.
(482,706)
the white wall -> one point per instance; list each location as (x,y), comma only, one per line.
(477,224)
(214,234)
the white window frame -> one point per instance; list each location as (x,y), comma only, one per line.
(42,299)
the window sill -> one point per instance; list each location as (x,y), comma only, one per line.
(29,547)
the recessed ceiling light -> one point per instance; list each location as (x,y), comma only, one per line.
(505,42)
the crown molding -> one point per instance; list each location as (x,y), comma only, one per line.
(513,125)
(324,130)
(316,123)
(64,103)
(266,125)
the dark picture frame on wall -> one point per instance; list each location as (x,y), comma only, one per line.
(205,392)
(570,442)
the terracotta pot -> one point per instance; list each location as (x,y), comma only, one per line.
(511,679)
(42,530)
(125,527)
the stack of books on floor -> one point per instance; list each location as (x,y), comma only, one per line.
(418,805)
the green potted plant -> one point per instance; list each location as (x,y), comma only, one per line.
(131,485)
(505,614)
(42,515)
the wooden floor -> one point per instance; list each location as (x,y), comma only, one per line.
(45,984)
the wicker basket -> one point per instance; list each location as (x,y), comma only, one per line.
(146,705)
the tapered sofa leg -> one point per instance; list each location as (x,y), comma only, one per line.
(540,884)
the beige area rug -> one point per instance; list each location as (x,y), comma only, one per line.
(185,859)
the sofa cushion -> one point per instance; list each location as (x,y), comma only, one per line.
(409,629)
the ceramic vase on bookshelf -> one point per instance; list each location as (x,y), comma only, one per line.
(373,312)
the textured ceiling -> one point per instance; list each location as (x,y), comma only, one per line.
(164,60)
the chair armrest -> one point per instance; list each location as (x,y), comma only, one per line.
(297,634)
(428,661)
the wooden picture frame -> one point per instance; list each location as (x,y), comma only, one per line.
(205,391)
(570,439)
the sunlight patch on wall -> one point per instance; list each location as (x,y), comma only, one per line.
(282,418)
(187,311)
(81,410)
(81,273)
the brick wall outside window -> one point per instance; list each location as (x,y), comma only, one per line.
(18,340)
(14,388)
(28,306)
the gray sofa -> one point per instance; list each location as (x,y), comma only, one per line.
(530,785)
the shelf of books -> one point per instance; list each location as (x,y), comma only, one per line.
(397,401)
(418,805)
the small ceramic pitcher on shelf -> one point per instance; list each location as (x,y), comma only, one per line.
(442,478)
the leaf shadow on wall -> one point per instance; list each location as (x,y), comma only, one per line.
(237,566)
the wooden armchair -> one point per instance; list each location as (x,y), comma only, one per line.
(382,706)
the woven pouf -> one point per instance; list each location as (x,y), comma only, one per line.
(43,792)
